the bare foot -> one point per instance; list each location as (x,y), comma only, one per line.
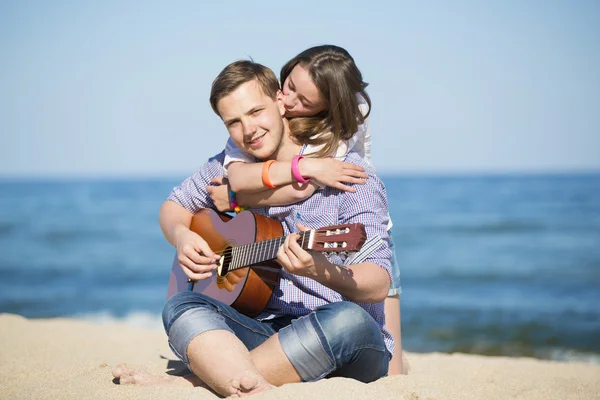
(248,385)
(405,365)
(139,376)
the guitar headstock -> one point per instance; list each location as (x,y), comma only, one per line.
(339,238)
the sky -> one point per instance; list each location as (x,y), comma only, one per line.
(120,88)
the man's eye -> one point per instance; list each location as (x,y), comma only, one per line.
(255,112)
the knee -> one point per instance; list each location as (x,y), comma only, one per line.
(346,319)
(179,304)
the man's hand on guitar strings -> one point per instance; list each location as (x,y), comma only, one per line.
(194,255)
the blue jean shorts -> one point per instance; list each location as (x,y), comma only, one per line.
(338,339)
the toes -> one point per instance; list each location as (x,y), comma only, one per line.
(119,370)
(248,383)
(127,379)
(234,388)
(122,369)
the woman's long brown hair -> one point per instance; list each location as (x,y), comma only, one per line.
(339,81)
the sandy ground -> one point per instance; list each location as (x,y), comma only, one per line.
(73,359)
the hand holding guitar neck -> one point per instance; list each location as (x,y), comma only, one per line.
(295,260)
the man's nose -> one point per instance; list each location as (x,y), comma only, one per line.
(249,128)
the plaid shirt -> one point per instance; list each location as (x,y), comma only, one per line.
(297,295)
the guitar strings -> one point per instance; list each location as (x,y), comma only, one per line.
(262,242)
(250,249)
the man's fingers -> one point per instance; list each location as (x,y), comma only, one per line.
(195,257)
(291,248)
(217,181)
(197,267)
(302,228)
(197,276)
(298,256)
(282,258)
(296,253)
(293,259)
(194,271)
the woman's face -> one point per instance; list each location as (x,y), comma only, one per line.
(301,98)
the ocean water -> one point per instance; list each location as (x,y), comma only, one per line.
(496,265)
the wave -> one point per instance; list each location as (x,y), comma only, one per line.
(519,350)
(570,355)
(140,319)
(153,321)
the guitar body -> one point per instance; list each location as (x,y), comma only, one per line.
(249,289)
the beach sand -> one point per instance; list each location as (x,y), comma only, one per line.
(73,359)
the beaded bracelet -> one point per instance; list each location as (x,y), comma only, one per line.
(234,205)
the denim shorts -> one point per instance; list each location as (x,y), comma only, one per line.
(338,339)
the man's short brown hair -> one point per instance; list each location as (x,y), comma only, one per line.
(236,74)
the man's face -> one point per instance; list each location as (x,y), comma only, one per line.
(253,119)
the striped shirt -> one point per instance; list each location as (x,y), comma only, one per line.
(297,295)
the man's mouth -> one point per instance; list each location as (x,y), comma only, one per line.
(256,141)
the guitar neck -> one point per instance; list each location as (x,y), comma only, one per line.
(266,250)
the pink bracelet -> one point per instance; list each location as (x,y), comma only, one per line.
(296,170)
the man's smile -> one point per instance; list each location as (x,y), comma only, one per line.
(256,141)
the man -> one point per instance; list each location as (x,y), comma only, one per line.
(323,319)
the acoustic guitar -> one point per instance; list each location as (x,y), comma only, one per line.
(248,243)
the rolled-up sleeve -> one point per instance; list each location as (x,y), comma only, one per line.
(369,206)
(191,194)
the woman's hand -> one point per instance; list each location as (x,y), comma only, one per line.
(332,172)
(219,193)
(195,258)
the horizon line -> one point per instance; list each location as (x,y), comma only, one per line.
(382,174)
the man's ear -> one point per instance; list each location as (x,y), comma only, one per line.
(279,100)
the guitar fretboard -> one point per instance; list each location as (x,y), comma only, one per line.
(257,252)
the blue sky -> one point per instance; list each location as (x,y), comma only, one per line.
(121,88)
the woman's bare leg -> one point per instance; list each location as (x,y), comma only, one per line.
(393,324)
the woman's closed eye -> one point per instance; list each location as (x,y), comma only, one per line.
(305,103)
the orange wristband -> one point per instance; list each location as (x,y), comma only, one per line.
(265,174)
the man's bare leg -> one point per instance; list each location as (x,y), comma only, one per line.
(218,359)
(398,364)
(273,364)
(223,362)
(270,363)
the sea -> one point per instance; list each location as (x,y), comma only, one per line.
(505,265)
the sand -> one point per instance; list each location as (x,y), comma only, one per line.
(73,359)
